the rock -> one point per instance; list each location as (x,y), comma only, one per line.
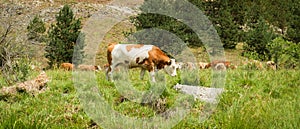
(33,87)
(202,93)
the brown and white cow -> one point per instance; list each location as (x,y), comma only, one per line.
(254,64)
(67,66)
(189,66)
(203,65)
(220,66)
(179,65)
(89,67)
(272,65)
(146,57)
(213,64)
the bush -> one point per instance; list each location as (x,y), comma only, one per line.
(36,29)
(257,40)
(284,53)
(294,27)
(188,77)
(169,24)
(14,61)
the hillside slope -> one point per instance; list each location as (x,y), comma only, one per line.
(21,12)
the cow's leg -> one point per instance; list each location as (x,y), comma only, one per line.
(152,75)
(152,72)
(142,73)
(150,66)
(109,72)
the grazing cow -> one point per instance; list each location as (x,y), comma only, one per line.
(67,66)
(233,66)
(179,65)
(258,64)
(146,57)
(189,66)
(253,64)
(220,66)
(213,64)
(271,64)
(89,67)
(203,65)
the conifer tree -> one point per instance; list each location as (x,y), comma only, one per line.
(62,38)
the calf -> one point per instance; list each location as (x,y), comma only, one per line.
(203,65)
(89,67)
(67,66)
(189,66)
(271,64)
(254,64)
(146,57)
(179,65)
(219,64)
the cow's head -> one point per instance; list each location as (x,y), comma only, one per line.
(179,65)
(97,67)
(171,67)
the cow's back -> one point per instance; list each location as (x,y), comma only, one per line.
(131,54)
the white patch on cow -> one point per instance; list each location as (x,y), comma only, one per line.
(220,66)
(203,65)
(189,66)
(179,65)
(171,69)
(122,56)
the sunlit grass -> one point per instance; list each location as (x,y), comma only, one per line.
(253,99)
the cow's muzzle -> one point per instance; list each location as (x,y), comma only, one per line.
(174,74)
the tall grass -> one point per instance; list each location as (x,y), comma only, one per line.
(253,99)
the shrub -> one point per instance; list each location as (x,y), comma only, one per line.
(257,40)
(14,61)
(189,77)
(294,26)
(36,29)
(284,53)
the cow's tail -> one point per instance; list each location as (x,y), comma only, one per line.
(109,55)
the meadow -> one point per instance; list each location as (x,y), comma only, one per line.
(253,99)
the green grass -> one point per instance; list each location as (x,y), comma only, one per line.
(258,99)
(253,99)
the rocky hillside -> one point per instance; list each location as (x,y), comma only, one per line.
(19,13)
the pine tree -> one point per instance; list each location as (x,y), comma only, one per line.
(62,37)
(36,29)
